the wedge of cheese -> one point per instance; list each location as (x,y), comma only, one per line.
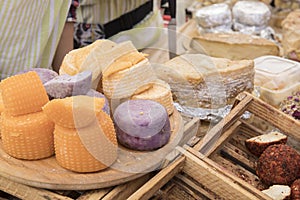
(86,58)
(234,46)
(197,80)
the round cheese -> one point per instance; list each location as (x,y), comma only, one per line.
(142,124)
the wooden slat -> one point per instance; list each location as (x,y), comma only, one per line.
(125,190)
(276,117)
(219,181)
(154,184)
(210,138)
(25,192)
(94,194)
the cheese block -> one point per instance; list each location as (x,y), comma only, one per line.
(160,92)
(234,46)
(216,17)
(142,125)
(28,136)
(74,112)
(87,149)
(86,58)
(278,192)
(201,81)
(130,71)
(23,94)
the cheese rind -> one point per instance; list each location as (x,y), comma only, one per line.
(234,46)
(28,136)
(23,94)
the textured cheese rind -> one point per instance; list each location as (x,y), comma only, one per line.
(233,46)
(23,94)
(82,150)
(159,92)
(192,78)
(124,84)
(28,136)
(75,111)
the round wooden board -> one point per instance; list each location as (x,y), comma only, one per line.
(46,173)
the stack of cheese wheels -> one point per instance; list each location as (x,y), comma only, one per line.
(128,72)
(84,135)
(160,92)
(86,58)
(26,131)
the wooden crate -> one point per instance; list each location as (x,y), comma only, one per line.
(220,166)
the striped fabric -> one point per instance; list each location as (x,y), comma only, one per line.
(30,31)
(103,11)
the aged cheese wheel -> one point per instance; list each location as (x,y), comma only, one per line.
(142,124)
(196,79)
(28,136)
(160,92)
(87,149)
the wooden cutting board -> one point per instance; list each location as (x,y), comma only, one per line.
(46,173)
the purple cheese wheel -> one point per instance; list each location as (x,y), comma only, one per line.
(142,125)
(44,74)
(94,93)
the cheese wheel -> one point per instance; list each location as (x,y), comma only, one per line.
(88,149)
(28,136)
(23,94)
(75,111)
(160,92)
(142,124)
(94,93)
(44,74)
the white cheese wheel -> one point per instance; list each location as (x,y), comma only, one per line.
(216,16)
(252,14)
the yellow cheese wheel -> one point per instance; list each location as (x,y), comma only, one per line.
(23,94)
(27,136)
(74,112)
(88,149)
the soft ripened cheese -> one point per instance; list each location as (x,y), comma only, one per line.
(23,94)
(28,136)
(216,17)
(198,80)
(234,46)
